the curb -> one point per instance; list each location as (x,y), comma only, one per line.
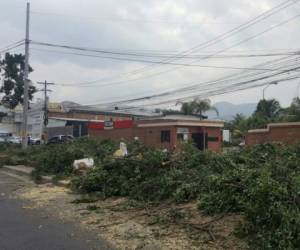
(24,171)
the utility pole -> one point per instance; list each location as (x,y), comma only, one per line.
(26,81)
(45,90)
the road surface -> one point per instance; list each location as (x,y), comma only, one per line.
(30,229)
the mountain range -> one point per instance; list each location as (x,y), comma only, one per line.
(228,110)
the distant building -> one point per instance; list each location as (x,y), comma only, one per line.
(288,133)
(103,113)
(226,135)
(7,125)
(164,132)
(72,118)
(34,120)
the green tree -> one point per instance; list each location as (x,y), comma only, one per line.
(197,107)
(12,69)
(269,109)
(187,108)
(294,109)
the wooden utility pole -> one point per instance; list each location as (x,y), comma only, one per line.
(45,90)
(26,82)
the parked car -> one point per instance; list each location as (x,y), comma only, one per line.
(60,139)
(34,141)
(4,137)
(14,140)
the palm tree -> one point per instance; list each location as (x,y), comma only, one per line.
(203,106)
(197,107)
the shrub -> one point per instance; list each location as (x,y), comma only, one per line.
(59,158)
(263,184)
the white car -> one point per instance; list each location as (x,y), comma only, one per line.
(14,140)
(4,136)
(34,141)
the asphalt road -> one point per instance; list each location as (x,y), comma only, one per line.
(29,229)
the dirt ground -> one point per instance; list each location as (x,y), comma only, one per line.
(130,225)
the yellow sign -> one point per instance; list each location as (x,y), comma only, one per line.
(55,107)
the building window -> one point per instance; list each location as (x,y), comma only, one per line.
(180,137)
(165,136)
(183,137)
(212,138)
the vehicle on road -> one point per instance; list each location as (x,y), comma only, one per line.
(60,139)
(14,140)
(34,141)
(4,136)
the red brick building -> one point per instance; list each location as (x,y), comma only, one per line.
(288,133)
(164,132)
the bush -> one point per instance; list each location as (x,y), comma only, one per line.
(263,184)
(59,158)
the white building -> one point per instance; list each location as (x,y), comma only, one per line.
(12,122)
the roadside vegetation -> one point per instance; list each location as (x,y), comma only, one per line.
(261,184)
(267,111)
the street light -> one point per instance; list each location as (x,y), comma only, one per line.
(264,89)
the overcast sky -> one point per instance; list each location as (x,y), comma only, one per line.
(160,26)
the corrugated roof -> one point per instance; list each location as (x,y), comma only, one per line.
(116,110)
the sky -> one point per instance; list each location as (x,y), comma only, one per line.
(153,26)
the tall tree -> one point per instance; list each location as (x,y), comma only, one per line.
(294,109)
(268,108)
(12,69)
(197,107)
(188,108)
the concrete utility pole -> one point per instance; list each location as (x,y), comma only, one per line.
(45,90)
(26,81)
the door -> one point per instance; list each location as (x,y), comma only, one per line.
(199,140)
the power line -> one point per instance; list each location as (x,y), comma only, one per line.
(9,48)
(12,44)
(194,87)
(120,19)
(228,48)
(166,63)
(201,85)
(236,44)
(224,56)
(136,54)
(211,93)
(237,29)
(227,34)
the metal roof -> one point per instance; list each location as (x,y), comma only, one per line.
(115,110)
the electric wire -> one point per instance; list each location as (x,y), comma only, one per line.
(170,63)
(236,29)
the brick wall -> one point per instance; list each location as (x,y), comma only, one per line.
(288,133)
(217,133)
(149,136)
(152,135)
